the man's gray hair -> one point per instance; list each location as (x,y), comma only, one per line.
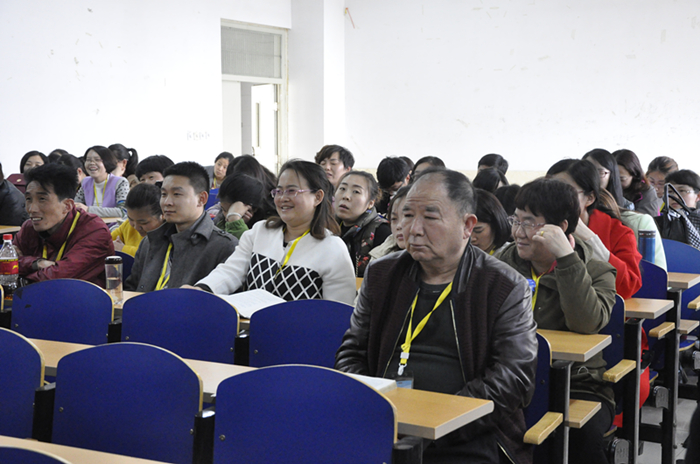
(459,189)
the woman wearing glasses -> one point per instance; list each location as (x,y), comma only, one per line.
(294,255)
(548,253)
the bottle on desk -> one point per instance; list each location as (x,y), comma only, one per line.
(113,275)
(647,244)
(9,269)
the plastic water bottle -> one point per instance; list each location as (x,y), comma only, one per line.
(9,269)
(113,273)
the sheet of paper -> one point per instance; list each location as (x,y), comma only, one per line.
(378,383)
(246,303)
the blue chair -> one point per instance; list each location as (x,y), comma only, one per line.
(191,323)
(298,332)
(10,455)
(127,263)
(127,398)
(21,373)
(301,414)
(681,257)
(63,310)
(213,198)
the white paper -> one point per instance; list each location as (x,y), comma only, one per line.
(378,383)
(247,303)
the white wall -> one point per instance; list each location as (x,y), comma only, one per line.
(145,73)
(534,81)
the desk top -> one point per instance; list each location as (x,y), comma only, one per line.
(419,413)
(433,415)
(683,280)
(572,346)
(72,455)
(9,229)
(646,308)
(110,220)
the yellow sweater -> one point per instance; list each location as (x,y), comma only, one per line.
(129,236)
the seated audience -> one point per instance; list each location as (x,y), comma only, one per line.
(102,193)
(493,161)
(217,173)
(361,227)
(127,160)
(425,163)
(392,174)
(144,214)
(571,291)
(506,195)
(189,246)
(32,160)
(294,255)
(635,186)
(659,168)
(151,169)
(75,163)
(600,227)
(240,198)
(12,211)
(490,179)
(479,339)
(59,241)
(335,161)
(677,222)
(492,230)
(397,240)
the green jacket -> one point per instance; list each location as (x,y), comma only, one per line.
(577,296)
(235,228)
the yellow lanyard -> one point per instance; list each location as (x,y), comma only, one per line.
(44,254)
(412,334)
(289,253)
(536,278)
(163,280)
(214,184)
(94,186)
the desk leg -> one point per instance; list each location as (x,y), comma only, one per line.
(559,394)
(671,364)
(630,405)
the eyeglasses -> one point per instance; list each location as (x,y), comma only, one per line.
(97,160)
(526,225)
(686,191)
(289,193)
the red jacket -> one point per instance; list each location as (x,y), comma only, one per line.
(84,255)
(622,244)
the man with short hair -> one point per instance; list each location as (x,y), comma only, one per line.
(479,339)
(150,170)
(392,174)
(336,161)
(188,246)
(12,211)
(59,241)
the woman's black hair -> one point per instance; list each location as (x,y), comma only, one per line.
(493,160)
(490,211)
(247,164)
(663,164)
(586,176)
(608,161)
(144,196)
(628,160)
(55,156)
(374,192)
(316,177)
(244,188)
(122,153)
(506,195)
(225,155)
(400,193)
(29,155)
(109,159)
(488,179)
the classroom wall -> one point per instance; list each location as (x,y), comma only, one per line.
(145,73)
(534,81)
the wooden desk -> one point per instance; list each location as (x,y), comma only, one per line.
(73,455)
(9,229)
(433,415)
(127,295)
(646,308)
(683,280)
(111,220)
(572,346)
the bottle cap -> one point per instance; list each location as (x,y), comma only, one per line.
(113,260)
(7,236)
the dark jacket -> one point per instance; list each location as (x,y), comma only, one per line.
(578,296)
(369,231)
(494,330)
(12,211)
(196,252)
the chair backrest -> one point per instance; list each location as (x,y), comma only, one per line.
(18,181)
(615,352)
(127,398)
(298,332)
(64,310)
(654,281)
(191,323)
(301,414)
(681,257)
(213,198)
(539,404)
(21,373)
(127,263)
(10,455)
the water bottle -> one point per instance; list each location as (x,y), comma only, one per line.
(9,269)
(113,273)
(647,244)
